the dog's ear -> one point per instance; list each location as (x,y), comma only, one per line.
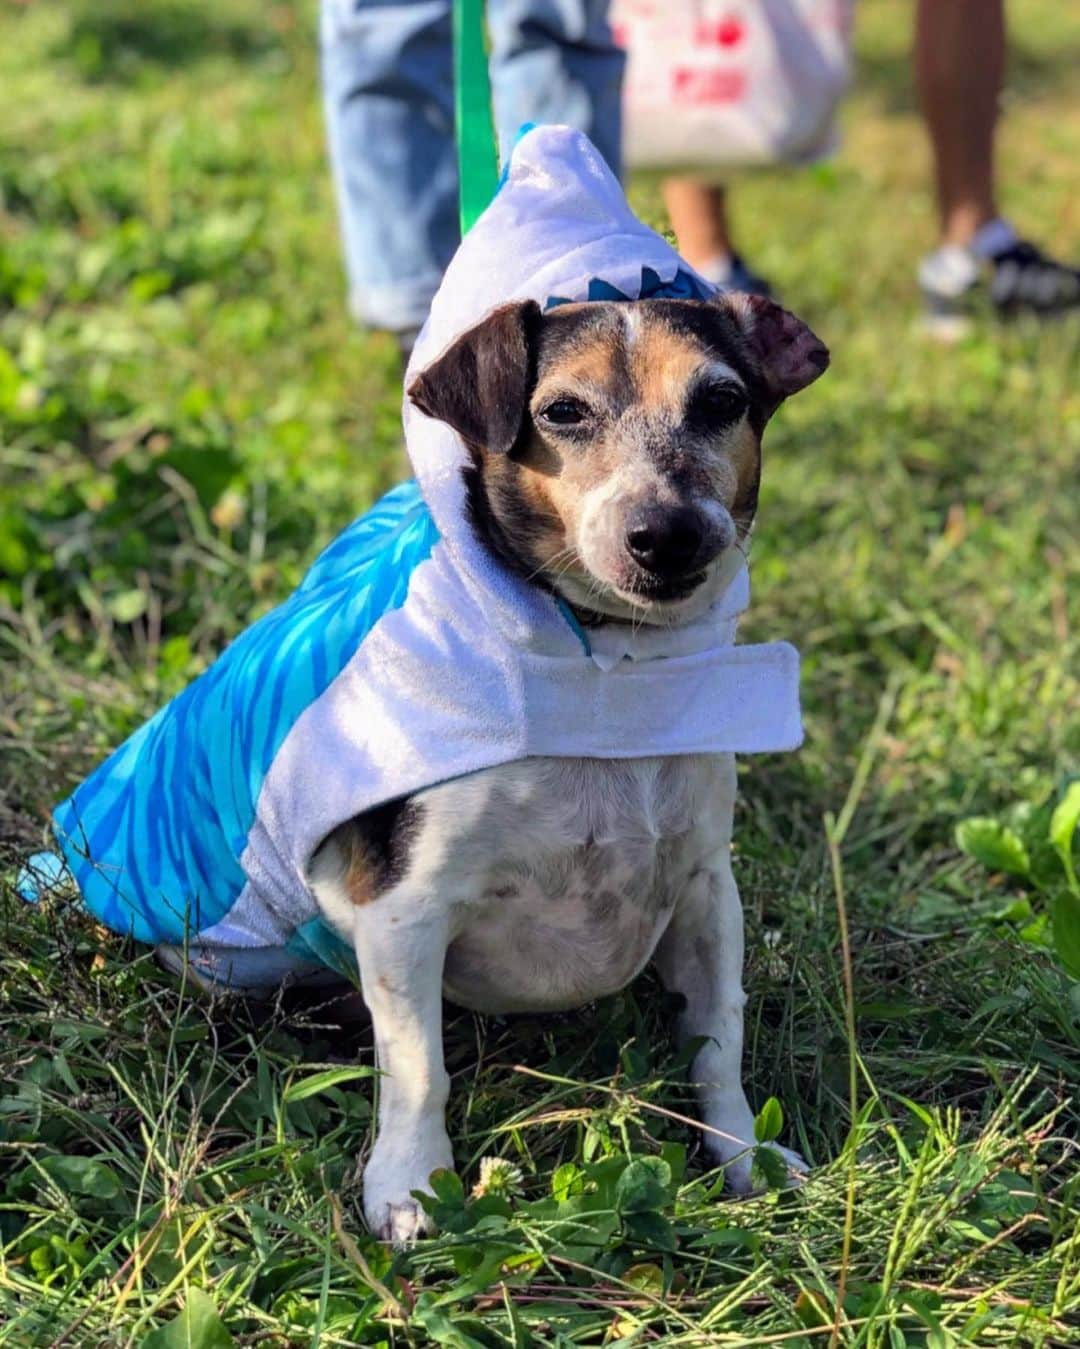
(788,354)
(480,384)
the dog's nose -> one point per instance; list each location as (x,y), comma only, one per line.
(668,540)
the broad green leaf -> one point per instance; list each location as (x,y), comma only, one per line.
(995,845)
(197,1327)
(1016,910)
(564,1180)
(1063,825)
(769,1121)
(650,1229)
(1066,918)
(487,1270)
(643,1186)
(968,1231)
(649,1278)
(737,1238)
(440,1327)
(82,1175)
(127,606)
(304,1087)
(770,1167)
(675,1156)
(41,1260)
(1036,933)
(447,1187)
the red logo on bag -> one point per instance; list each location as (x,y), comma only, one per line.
(707,86)
(727,32)
(730,33)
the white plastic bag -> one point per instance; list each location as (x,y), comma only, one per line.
(711,83)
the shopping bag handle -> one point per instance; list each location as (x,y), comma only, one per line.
(478,160)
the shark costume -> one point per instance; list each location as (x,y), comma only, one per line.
(410,655)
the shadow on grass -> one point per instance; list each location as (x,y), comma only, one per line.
(111,42)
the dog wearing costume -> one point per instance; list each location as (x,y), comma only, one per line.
(486,749)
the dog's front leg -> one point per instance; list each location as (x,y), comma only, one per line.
(401,949)
(701,957)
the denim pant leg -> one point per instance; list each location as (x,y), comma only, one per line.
(556,61)
(388,91)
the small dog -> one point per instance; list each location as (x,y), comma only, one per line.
(614,459)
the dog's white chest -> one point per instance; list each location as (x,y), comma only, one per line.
(567,872)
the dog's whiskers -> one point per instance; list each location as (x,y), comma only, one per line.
(567,556)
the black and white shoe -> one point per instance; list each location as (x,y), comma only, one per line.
(1016,278)
(1025,280)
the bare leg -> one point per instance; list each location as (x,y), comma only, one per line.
(959,66)
(701,957)
(698,214)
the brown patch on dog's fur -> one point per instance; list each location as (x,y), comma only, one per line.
(360,876)
(744,449)
(525,493)
(593,357)
(375,847)
(662,362)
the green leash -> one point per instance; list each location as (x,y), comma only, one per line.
(478,159)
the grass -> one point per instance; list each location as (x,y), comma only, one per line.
(186,416)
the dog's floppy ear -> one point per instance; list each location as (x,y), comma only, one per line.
(480,384)
(789,355)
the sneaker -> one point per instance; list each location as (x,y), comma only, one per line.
(1017,279)
(1025,280)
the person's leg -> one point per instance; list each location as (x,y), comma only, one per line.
(388,93)
(959,67)
(556,61)
(698,214)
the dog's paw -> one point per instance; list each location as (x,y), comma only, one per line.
(392,1174)
(400,1224)
(739,1171)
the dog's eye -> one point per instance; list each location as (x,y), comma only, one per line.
(719,404)
(563,412)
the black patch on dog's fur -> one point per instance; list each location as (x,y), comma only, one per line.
(375,846)
(502,517)
(508,526)
(480,384)
(386,834)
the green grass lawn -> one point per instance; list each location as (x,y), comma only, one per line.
(187,416)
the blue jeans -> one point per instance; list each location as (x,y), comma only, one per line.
(388,89)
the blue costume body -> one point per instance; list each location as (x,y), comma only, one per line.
(172,808)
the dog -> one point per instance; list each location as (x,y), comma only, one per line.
(485,747)
(614,460)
